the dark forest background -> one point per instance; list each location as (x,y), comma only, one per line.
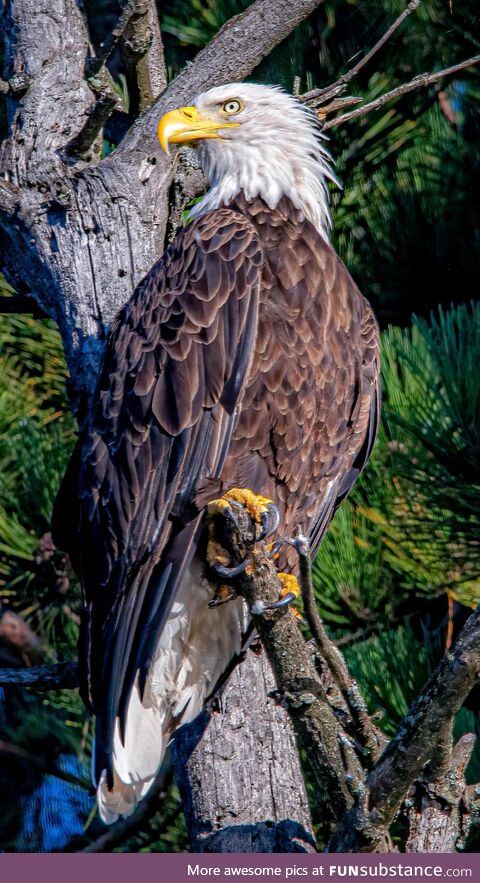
(399,570)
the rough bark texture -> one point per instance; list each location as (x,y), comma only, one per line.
(415,744)
(321,722)
(438,813)
(245,768)
(144,49)
(83,237)
(79,237)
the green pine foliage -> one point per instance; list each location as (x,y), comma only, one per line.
(401,558)
(406,541)
(37,433)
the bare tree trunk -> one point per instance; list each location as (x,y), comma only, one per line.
(242,784)
(78,234)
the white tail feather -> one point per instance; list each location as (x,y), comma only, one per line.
(194,649)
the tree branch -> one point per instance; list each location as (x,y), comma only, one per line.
(59,676)
(57,95)
(143,48)
(418,82)
(438,814)
(331,753)
(413,746)
(238,769)
(364,730)
(317,96)
(106,102)
(130,8)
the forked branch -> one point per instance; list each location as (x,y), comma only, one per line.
(321,96)
(414,745)
(421,81)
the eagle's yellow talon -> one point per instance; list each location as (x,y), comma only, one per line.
(217,507)
(262,511)
(255,504)
(289,585)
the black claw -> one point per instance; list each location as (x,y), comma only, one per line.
(229,514)
(265,526)
(275,548)
(270,522)
(282,602)
(274,517)
(229,572)
(217,602)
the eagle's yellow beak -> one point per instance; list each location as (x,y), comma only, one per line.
(187,124)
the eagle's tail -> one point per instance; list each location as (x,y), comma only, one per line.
(195,647)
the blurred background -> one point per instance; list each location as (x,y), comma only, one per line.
(399,570)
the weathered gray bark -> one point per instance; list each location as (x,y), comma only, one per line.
(438,811)
(244,770)
(421,739)
(79,236)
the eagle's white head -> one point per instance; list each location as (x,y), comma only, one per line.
(255,139)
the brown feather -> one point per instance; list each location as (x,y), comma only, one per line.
(247,357)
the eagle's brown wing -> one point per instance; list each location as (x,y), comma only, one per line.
(363,401)
(165,411)
(312,401)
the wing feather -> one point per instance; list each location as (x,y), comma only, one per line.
(166,407)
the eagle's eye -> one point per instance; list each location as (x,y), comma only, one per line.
(233,105)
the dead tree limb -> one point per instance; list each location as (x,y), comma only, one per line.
(322,96)
(363,726)
(414,745)
(333,759)
(438,812)
(130,8)
(419,82)
(58,676)
(238,770)
(143,49)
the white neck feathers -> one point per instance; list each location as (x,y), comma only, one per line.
(276,152)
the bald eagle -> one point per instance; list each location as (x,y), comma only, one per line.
(246,362)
